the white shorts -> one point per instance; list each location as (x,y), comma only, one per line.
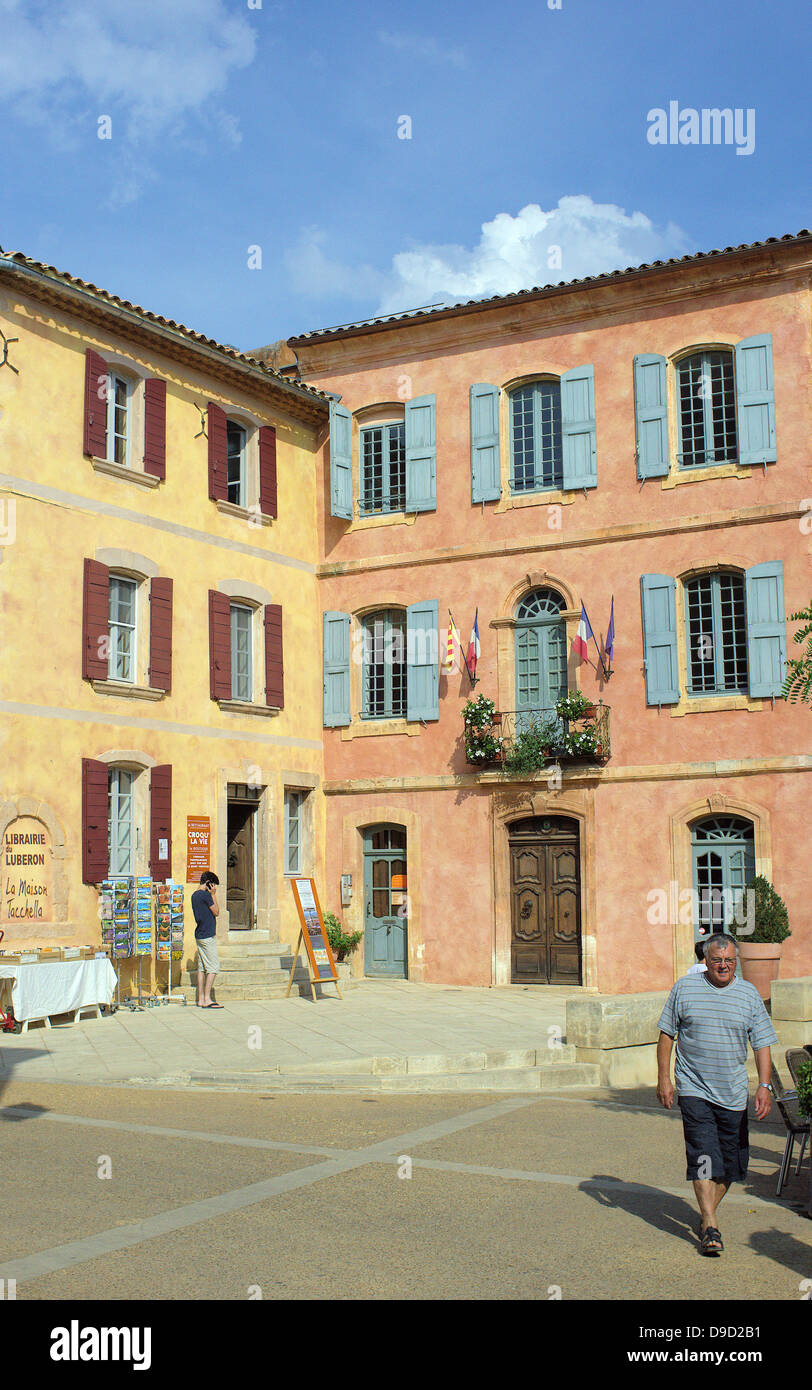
(208,957)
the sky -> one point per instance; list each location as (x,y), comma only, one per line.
(257,169)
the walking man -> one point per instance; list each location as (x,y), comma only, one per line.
(713,1016)
(206,910)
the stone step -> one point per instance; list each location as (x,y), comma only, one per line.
(435,1063)
(564,1077)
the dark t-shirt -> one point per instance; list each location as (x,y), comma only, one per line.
(206,921)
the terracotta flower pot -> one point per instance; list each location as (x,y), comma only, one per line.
(760,964)
(590,712)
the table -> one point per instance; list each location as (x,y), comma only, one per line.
(43,988)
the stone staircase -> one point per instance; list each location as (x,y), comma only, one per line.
(254,970)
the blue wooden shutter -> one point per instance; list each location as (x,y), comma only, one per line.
(578,434)
(486,484)
(421,454)
(422,661)
(336,669)
(650,415)
(755,400)
(766,628)
(658,600)
(340,461)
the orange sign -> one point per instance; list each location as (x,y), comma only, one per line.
(198,839)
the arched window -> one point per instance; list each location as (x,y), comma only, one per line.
(383,468)
(536,456)
(541,652)
(723,862)
(707,409)
(384,671)
(716,629)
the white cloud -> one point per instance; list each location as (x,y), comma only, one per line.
(573,240)
(427,49)
(148,63)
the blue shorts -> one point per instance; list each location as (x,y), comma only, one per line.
(717,1142)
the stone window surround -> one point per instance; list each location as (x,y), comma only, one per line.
(251,596)
(547,497)
(681,821)
(505,626)
(706,704)
(371,728)
(676,475)
(128,564)
(381,413)
(352,862)
(136,761)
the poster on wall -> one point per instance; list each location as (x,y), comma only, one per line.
(198,840)
(320,957)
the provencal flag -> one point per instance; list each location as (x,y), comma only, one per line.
(582,636)
(452,647)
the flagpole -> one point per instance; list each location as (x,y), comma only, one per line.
(462,653)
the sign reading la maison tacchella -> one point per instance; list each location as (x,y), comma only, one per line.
(25,872)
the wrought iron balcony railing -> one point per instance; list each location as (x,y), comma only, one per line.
(525,740)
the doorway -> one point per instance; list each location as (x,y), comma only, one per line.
(545,898)
(385,902)
(240,859)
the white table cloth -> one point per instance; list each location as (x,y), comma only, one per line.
(41,988)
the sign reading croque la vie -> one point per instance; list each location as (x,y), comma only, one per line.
(26,891)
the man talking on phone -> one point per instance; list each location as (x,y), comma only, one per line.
(206,909)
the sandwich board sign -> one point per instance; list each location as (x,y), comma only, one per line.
(321,966)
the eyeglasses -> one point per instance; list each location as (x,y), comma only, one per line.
(720,964)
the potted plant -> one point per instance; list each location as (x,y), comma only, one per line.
(761,926)
(575,705)
(342,943)
(482,744)
(582,744)
(533,747)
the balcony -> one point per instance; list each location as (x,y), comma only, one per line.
(522,742)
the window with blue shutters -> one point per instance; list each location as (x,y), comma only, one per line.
(383,469)
(723,862)
(707,409)
(716,631)
(336,670)
(658,602)
(536,454)
(384,668)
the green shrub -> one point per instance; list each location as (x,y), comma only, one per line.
(342,943)
(769,915)
(805,1088)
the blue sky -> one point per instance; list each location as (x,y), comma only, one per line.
(276,126)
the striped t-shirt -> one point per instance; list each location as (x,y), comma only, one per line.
(712,1026)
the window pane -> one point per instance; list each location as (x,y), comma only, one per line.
(707,407)
(122,611)
(235,462)
(536,448)
(242,680)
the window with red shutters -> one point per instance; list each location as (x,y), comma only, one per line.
(274,668)
(219,645)
(95,621)
(155,427)
(160,634)
(267,471)
(217,429)
(94,821)
(95,432)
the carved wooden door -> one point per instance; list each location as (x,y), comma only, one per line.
(545,902)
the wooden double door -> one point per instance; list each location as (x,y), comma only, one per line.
(545,897)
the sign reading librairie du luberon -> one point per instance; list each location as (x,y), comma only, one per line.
(25,872)
(314,934)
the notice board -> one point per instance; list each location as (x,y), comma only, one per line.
(198,842)
(320,957)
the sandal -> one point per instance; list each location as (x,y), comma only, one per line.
(710,1242)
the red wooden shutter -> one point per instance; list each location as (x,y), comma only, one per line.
(160,634)
(155,427)
(218,453)
(95,622)
(95,443)
(274,669)
(267,471)
(160,821)
(94,821)
(219,645)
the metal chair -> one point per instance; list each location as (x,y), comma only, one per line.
(797,1125)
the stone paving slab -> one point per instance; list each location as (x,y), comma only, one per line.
(383,1023)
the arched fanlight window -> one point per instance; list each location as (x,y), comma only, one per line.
(724,860)
(541,651)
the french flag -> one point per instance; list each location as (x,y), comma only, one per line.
(473,646)
(582,636)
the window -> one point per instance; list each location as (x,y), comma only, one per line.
(724,861)
(536,451)
(242,666)
(122,629)
(294,803)
(707,409)
(236,437)
(717,634)
(120,831)
(118,419)
(383,469)
(541,654)
(384,650)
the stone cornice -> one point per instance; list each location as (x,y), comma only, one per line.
(534,545)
